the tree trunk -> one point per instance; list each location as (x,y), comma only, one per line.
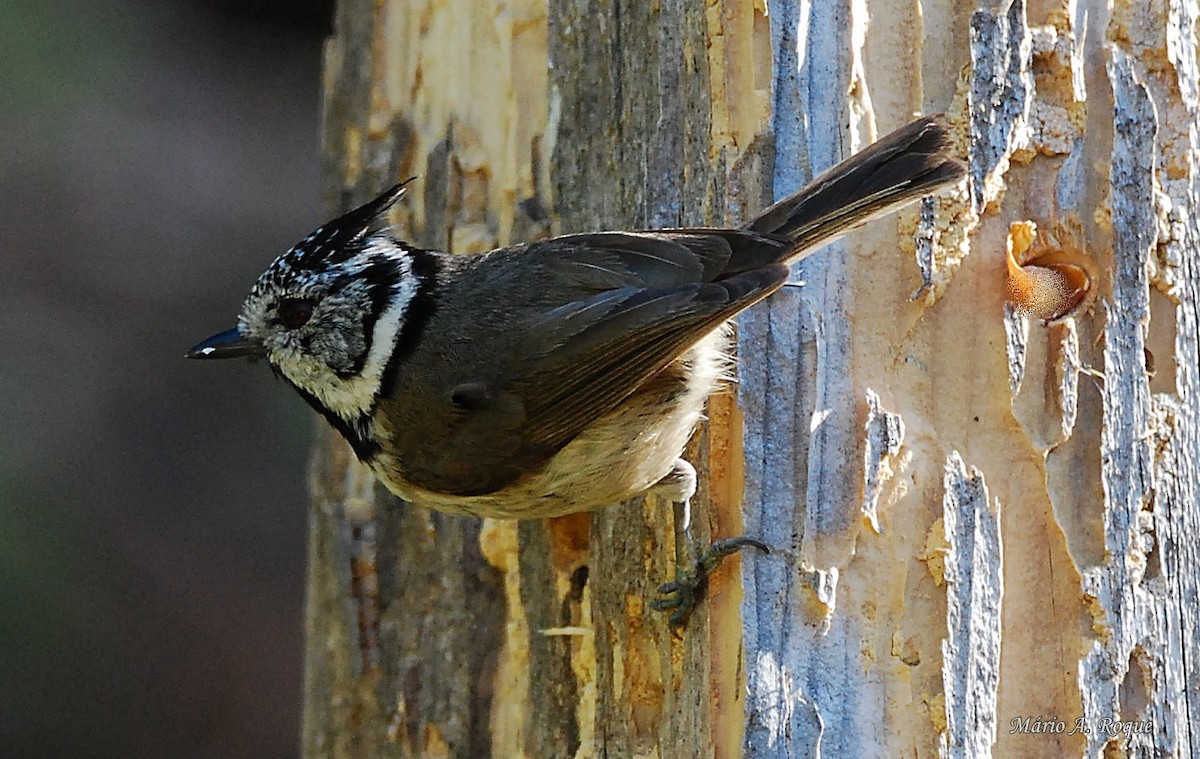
(938,473)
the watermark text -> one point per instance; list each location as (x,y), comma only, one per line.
(1056,726)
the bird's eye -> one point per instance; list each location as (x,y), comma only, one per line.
(295,312)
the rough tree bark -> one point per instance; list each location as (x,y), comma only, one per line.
(986,526)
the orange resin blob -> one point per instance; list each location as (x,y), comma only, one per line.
(1040,282)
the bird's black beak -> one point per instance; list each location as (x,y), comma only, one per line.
(227,344)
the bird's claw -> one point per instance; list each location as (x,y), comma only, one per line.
(680,596)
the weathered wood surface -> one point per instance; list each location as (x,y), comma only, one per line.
(536,640)
(979,518)
(1088,459)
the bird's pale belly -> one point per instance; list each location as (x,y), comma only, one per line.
(622,455)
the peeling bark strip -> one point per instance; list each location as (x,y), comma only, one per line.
(1177,493)
(1016,331)
(974,578)
(801,423)
(1132,616)
(1001,95)
(885,435)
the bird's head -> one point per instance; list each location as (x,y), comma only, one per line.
(327,314)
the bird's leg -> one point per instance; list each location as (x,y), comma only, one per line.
(681,595)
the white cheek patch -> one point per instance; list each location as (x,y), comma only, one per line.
(352,397)
(391,322)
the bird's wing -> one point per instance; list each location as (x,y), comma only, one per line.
(603,314)
(637,302)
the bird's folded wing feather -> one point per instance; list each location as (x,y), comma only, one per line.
(643,300)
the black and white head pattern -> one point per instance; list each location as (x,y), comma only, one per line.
(330,311)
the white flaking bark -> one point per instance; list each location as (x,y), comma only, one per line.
(1125,607)
(1016,332)
(1177,498)
(1001,95)
(1047,399)
(796,655)
(975,587)
(924,242)
(1135,611)
(885,435)
(1068,370)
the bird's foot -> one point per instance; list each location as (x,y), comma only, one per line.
(681,595)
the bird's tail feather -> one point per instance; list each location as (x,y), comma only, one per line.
(911,162)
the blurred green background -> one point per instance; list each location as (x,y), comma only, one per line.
(154,157)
